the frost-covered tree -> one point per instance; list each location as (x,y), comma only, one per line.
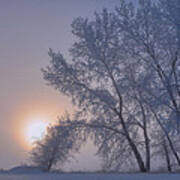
(152,35)
(94,77)
(57,146)
(123,75)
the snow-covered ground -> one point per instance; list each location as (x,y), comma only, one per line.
(91,177)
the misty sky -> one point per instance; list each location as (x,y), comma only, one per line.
(28,28)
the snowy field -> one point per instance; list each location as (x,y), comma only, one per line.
(91,177)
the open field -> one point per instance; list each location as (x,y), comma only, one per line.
(91,177)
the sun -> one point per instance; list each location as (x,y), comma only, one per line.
(36,131)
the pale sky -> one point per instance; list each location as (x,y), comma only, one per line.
(28,29)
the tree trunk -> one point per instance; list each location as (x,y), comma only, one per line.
(173,150)
(146,138)
(133,146)
(170,142)
(49,165)
(168,162)
(166,134)
(148,156)
(51,161)
(137,155)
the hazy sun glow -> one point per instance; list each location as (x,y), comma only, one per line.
(36,131)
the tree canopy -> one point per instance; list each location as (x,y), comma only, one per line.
(124,77)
